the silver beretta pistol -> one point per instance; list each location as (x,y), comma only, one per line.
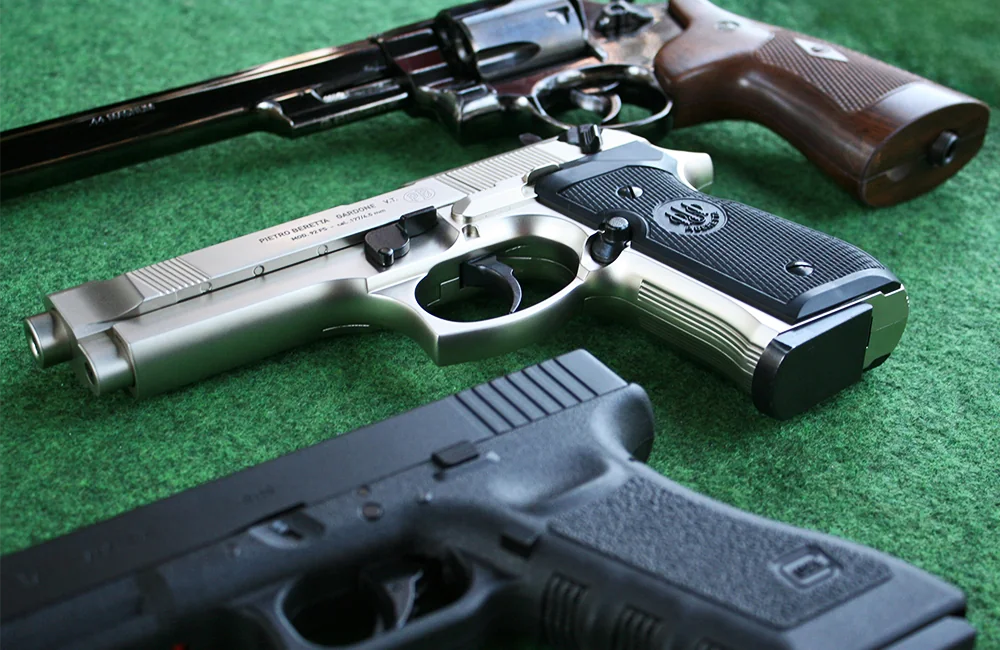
(603,219)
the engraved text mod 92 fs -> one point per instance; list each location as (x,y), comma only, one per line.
(616,224)
(513,508)
(884,134)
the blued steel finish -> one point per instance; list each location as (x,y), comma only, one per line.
(290,96)
(479,59)
(887,135)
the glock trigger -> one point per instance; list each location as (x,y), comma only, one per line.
(397,589)
(491,273)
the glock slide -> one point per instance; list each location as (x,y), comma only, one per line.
(602,218)
(884,134)
(515,509)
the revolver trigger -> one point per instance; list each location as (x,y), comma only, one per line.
(613,110)
(490,272)
(608,106)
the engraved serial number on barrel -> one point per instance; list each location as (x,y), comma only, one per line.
(121,114)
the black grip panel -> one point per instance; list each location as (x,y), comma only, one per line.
(764,571)
(780,267)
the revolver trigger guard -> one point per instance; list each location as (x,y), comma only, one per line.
(603,89)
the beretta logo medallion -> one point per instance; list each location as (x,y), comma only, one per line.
(689,216)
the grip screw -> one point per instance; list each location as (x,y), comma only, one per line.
(799,268)
(942,150)
(629,192)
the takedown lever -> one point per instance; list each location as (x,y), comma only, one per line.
(386,244)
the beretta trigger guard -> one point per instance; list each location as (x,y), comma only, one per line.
(605,219)
(884,134)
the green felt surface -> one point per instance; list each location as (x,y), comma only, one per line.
(908,461)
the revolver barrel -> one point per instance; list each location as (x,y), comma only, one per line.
(486,58)
(433,66)
(329,86)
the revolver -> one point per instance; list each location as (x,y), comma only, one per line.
(515,509)
(884,134)
(594,218)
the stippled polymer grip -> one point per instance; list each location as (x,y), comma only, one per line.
(775,574)
(778,266)
(886,135)
(706,576)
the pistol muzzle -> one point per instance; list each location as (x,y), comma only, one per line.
(99,363)
(101,366)
(48,340)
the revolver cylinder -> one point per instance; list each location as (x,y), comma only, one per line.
(516,36)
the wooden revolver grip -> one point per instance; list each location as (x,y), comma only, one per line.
(885,134)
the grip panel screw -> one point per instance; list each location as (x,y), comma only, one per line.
(629,191)
(799,268)
(942,150)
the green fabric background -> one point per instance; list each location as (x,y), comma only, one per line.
(907,462)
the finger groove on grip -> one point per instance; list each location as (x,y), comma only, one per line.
(561,604)
(765,572)
(852,80)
